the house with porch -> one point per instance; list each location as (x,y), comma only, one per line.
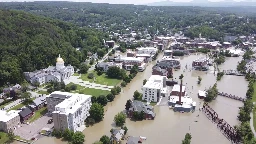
(138,106)
(117,135)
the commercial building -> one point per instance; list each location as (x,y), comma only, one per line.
(147,50)
(106,65)
(154,88)
(69,110)
(200,63)
(9,120)
(176,90)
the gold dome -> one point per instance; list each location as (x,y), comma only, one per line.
(59,60)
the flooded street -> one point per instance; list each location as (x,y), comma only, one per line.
(169,126)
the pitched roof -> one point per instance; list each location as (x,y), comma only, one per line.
(118,134)
(25,112)
(133,140)
(140,106)
(39,100)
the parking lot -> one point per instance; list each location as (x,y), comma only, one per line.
(29,131)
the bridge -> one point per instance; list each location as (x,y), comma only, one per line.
(231,96)
(232,72)
(228,131)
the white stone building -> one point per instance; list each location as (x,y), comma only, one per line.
(70,110)
(52,73)
(147,50)
(154,88)
(9,120)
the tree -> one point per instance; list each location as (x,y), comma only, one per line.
(134,70)
(102,100)
(94,99)
(113,91)
(125,129)
(26,96)
(120,119)
(78,138)
(96,112)
(123,84)
(68,134)
(83,68)
(199,80)
(211,93)
(128,105)
(115,72)
(10,136)
(244,131)
(36,84)
(136,95)
(144,81)
(110,97)
(187,139)
(105,139)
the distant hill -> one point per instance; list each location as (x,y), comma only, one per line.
(29,42)
(205,3)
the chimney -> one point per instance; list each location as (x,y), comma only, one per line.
(180,92)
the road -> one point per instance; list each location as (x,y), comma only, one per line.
(104,58)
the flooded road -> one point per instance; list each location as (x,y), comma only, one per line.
(168,126)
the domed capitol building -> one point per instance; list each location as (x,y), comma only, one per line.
(52,73)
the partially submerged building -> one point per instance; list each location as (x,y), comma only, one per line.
(69,110)
(138,106)
(154,88)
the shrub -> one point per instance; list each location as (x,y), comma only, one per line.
(90,76)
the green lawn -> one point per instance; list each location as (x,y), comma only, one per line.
(17,106)
(20,105)
(42,92)
(76,74)
(38,114)
(88,91)
(102,79)
(3,137)
(93,92)
(254,110)
(6,104)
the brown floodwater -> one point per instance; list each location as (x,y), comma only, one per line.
(168,126)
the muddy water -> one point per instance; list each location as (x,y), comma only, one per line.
(168,126)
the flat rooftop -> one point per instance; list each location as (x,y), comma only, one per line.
(71,104)
(6,116)
(177,88)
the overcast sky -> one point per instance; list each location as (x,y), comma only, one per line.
(111,1)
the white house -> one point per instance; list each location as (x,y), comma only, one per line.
(154,88)
(71,110)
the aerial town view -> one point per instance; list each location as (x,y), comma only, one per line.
(145,72)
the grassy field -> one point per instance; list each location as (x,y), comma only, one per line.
(42,92)
(89,91)
(102,79)
(20,105)
(6,104)
(93,92)
(3,137)
(76,74)
(17,106)
(38,114)
(254,110)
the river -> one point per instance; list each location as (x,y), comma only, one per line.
(168,126)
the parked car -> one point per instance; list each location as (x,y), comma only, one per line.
(50,121)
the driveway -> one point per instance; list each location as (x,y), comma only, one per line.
(32,130)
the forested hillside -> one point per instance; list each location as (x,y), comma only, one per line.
(161,20)
(29,42)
